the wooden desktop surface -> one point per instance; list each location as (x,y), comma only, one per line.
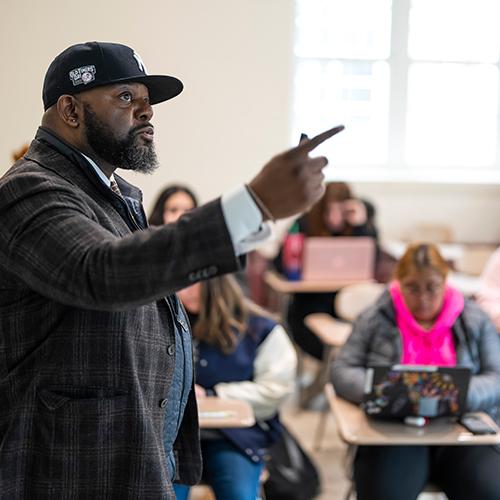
(217,413)
(329,330)
(358,429)
(281,285)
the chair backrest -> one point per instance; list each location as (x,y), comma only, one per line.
(430,232)
(352,299)
(473,259)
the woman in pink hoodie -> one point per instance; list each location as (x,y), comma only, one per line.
(422,320)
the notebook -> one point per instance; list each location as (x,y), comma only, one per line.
(400,391)
(338,258)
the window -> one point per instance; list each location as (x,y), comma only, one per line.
(415,82)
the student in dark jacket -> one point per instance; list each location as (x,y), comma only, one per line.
(338,213)
(240,353)
(422,320)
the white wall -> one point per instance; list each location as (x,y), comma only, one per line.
(235,59)
(472,212)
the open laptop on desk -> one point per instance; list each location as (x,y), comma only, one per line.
(400,391)
(338,258)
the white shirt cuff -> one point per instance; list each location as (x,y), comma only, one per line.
(254,240)
(244,221)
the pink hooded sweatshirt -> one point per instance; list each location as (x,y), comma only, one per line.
(428,347)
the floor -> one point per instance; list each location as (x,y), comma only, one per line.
(329,459)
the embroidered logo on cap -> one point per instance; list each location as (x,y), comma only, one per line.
(83,75)
(140,63)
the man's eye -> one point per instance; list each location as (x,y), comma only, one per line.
(126,96)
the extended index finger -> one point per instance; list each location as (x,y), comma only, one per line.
(308,146)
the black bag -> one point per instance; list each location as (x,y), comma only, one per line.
(292,474)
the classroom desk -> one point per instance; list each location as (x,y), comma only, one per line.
(283,288)
(356,428)
(330,331)
(217,413)
(280,284)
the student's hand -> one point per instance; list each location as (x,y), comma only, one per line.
(199,391)
(293,181)
(354,212)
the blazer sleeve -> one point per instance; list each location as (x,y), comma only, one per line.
(274,375)
(53,242)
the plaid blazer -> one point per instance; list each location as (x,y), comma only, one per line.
(86,335)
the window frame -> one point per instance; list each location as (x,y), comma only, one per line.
(396,169)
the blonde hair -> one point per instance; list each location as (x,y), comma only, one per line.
(224,313)
(420,256)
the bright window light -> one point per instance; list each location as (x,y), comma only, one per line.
(454,30)
(416,83)
(452,114)
(351,92)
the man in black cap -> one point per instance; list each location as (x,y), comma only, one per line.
(96,386)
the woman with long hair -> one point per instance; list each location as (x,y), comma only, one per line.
(338,213)
(240,353)
(171,203)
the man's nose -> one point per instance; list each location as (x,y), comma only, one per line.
(144,111)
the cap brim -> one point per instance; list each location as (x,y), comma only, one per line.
(161,87)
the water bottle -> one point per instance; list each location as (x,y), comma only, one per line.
(292,253)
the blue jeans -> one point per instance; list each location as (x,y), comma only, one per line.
(230,473)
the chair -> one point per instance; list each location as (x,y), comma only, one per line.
(350,301)
(432,233)
(473,259)
(353,299)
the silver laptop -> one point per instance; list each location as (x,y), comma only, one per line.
(338,258)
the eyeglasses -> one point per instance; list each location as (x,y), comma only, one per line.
(430,289)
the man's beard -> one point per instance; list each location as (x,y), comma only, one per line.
(121,153)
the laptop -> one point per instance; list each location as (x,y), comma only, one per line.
(400,391)
(338,258)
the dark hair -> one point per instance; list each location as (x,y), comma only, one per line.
(334,191)
(156,215)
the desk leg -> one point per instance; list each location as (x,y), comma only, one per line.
(318,384)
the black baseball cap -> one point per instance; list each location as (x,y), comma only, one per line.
(93,64)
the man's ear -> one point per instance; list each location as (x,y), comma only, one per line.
(69,110)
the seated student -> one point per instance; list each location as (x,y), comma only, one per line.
(240,353)
(422,320)
(174,201)
(338,213)
(171,203)
(488,296)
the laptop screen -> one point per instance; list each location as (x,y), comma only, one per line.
(400,391)
(338,258)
